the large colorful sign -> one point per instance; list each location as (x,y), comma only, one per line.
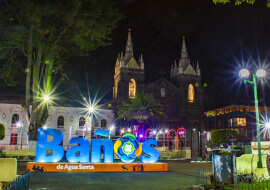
(127,148)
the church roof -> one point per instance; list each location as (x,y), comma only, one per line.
(165,80)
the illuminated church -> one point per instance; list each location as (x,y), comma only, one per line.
(182,94)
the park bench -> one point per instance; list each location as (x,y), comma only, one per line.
(8,172)
(19,153)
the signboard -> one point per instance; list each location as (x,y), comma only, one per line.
(95,167)
(127,149)
(182,132)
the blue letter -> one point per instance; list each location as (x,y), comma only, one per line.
(43,145)
(152,153)
(101,132)
(83,148)
(96,145)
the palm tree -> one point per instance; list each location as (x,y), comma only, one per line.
(141,108)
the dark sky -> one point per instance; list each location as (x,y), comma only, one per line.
(219,36)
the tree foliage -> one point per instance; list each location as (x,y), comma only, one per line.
(219,136)
(2,131)
(142,107)
(239,2)
(39,36)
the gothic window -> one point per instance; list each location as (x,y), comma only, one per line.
(132,88)
(15,119)
(115,88)
(103,123)
(162,91)
(60,122)
(81,121)
(190,93)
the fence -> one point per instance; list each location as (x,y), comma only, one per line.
(243,182)
(201,177)
(20,183)
(252,182)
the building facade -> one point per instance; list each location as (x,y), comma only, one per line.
(238,117)
(182,94)
(72,121)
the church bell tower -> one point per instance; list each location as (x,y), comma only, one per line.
(129,73)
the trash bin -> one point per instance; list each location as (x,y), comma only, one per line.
(1,151)
(224,165)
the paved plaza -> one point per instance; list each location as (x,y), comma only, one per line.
(180,175)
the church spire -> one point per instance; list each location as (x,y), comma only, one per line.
(184,53)
(198,70)
(141,62)
(129,46)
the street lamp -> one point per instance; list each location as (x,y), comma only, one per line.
(267,124)
(244,74)
(21,126)
(46,98)
(91,109)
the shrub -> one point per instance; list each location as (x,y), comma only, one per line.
(219,136)
(2,131)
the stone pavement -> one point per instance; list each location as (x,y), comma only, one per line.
(180,176)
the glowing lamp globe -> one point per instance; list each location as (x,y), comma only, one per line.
(244,73)
(129,130)
(122,131)
(91,108)
(46,98)
(261,73)
(166,131)
(267,125)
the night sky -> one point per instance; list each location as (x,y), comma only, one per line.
(220,37)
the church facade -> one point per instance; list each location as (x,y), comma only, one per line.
(181,94)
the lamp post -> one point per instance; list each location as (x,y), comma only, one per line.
(21,126)
(244,74)
(166,132)
(111,130)
(91,109)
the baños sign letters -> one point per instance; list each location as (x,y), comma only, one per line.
(127,149)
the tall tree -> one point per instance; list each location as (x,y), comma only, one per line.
(239,2)
(2,131)
(38,36)
(141,108)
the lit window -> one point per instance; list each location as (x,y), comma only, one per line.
(237,122)
(103,123)
(190,93)
(132,88)
(60,122)
(81,121)
(241,121)
(162,91)
(115,89)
